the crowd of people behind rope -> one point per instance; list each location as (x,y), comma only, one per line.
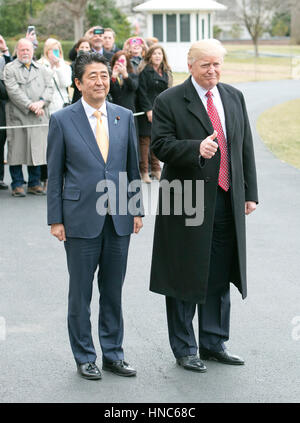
(31,90)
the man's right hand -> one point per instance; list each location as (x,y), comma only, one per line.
(58,230)
(208,147)
(3,46)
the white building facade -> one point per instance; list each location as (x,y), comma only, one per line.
(177,24)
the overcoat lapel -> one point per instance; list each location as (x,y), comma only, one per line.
(82,125)
(196,107)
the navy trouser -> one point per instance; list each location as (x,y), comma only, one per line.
(214,315)
(16,173)
(109,252)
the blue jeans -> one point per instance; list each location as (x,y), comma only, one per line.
(16,173)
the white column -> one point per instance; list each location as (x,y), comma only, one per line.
(193,27)
(164,27)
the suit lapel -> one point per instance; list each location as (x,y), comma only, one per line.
(114,128)
(111,119)
(83,126)
(196,106)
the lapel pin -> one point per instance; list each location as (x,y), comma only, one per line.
(117,119)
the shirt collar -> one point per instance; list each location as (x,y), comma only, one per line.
(33,63)
(101,51)
(202,91)
(89,110)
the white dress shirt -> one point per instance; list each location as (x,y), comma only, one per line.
(216,99)
(89,110)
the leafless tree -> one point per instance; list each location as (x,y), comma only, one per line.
(76,8)
(256,16)
(295,20)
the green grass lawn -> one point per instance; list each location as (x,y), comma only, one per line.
(279,127)
(242,66)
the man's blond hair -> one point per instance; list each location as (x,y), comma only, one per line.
(207,47)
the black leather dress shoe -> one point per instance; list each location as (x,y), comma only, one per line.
(191,362)
(222,357)
(119,367)
(3,185)
(89,371)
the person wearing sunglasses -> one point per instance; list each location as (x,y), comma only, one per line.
(136,48)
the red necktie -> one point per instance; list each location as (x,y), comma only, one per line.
(224,180)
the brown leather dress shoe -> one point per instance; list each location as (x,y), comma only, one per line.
(37,190)
(222,357)
(89,371)
(191,362)
(145,178)
(18,192)
(156,174)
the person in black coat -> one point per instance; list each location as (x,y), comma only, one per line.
(136,49)
(154,78)
(82,46)
(123,82)
(6,58)
(201,133)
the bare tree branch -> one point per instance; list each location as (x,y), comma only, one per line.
(256,16)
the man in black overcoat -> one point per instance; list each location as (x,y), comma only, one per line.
(202,134)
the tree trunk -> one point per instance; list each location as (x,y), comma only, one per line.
(295,26)
(78,27)
(255,44)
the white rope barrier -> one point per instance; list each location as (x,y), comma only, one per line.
(46,124)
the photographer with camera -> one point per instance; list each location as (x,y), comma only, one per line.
(95,37)
(123,82)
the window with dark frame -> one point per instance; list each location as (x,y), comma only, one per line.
(171,28)
(158,28)
(185,27)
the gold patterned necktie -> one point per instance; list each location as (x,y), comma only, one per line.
(101,136)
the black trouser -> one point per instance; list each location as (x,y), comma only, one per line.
(44,173)
(2,143)
(214,315)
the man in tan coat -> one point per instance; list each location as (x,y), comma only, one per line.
(30,88)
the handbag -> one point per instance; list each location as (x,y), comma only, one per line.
(65,104)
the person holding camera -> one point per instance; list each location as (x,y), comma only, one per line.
(95,37)
(61,73)
(53,59)
(123,82)
(136,48)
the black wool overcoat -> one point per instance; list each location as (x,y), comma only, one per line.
(181,253)
(151,84)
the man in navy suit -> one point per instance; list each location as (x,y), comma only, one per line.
(92,162)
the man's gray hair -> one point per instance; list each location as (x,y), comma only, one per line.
(22,40)
(207,47)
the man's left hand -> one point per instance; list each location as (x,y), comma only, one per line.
(250,206)
(137,224)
